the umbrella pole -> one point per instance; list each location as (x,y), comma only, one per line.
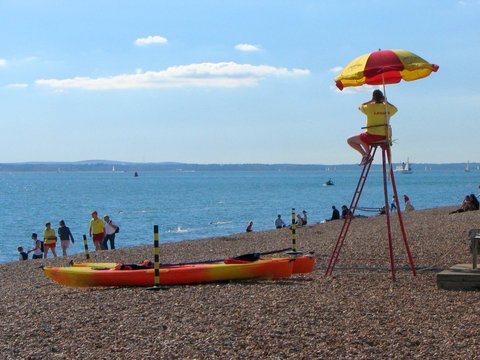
(387,121)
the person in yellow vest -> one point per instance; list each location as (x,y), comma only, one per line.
(49,240)
(376,125)
(97,230)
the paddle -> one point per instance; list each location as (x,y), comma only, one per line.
(256,256)
(245,257)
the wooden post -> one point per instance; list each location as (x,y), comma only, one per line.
(475,250)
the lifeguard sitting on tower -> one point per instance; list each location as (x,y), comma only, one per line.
(378,129)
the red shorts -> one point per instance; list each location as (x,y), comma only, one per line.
(369,138)
(97,237)
(51,246)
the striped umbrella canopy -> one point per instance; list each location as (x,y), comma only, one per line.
(384,67)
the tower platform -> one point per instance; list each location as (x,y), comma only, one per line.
(459,277)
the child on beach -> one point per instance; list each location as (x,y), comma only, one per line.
(37,247)
(376,125)
(22,255)
(49,240)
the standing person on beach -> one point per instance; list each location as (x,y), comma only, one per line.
(249,227)
(376,125)
(304,218)
(97,230)
(65,236)
(110,230)
(279,222)
(393,206)
(37,247)
(49,240)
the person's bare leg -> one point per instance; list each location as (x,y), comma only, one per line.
(355,142)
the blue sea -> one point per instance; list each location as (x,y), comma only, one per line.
(194,205)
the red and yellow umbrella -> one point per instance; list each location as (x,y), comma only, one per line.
(384,67)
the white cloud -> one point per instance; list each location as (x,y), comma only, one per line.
(336,69)
(3,62)
(17,85)
(151,40)
(247,47)
(223,74)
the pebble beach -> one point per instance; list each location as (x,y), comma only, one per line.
(358,313)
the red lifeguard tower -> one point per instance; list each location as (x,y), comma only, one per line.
(379,68)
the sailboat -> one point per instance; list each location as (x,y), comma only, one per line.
(467,168)
(404,168)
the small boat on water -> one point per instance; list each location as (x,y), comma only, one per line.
(467,168)
(404,168)
(329,182)
(89,275)
(136,174)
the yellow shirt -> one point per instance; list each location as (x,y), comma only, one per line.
(49,236)
(97,226)
(376,116)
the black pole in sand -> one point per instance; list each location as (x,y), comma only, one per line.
(294,241)
(87,255)
(156,261)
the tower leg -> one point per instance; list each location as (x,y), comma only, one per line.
(387,211)
(400,213)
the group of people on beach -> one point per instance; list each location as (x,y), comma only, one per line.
(393,205)
(101,232)
(468,204)
(300,221)
(40,248)
(336,213)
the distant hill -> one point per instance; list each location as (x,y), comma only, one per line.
(109,165)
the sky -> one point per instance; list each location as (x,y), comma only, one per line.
(229,82)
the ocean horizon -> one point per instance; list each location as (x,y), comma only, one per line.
(123,166)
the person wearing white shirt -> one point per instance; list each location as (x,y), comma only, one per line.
(110,230)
